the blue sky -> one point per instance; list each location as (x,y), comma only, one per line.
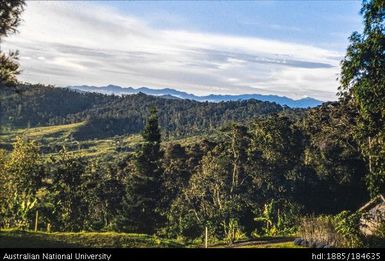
(290,48)
(321,23)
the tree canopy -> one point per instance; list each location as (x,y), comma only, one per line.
(363,78)
(10,17)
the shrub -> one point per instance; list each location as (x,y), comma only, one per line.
(348,226)
(233,231)
(278,217)
(378,238)
(341,230)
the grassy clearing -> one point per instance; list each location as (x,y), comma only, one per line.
(27,239)
(53,138)
(50,137)
(57,131)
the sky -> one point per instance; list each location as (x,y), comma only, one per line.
(286,48)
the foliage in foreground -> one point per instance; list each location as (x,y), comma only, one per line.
(363,78)
(250,183)
(342,230)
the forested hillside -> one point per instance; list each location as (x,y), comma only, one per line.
(287,165)
(108,115)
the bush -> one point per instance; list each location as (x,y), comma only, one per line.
(341,230)
(233,231)
(348,226)
(378,239)
(278,217)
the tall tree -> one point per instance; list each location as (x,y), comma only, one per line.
(22,180)
(9,68)
(142,205)
(176,173)
(239,145)
(363,78)
(333,164)
(10,12)
(68,194)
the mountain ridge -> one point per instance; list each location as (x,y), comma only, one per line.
(307,102)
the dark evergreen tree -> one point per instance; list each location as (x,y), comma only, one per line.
(142,211)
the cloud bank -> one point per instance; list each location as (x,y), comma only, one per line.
(82,43)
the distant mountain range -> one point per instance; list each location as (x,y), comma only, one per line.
(174,94)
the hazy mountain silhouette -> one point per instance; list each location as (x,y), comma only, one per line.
(172,93)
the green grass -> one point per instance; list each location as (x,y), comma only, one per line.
(261,242)
(53,138)
(273,245)
(27,239)
(55,132)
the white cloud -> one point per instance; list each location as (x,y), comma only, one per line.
(81,43)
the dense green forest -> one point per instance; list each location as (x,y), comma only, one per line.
(252,169)
(108,115)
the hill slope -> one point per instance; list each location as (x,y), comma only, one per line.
(110,115)
(281,100)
